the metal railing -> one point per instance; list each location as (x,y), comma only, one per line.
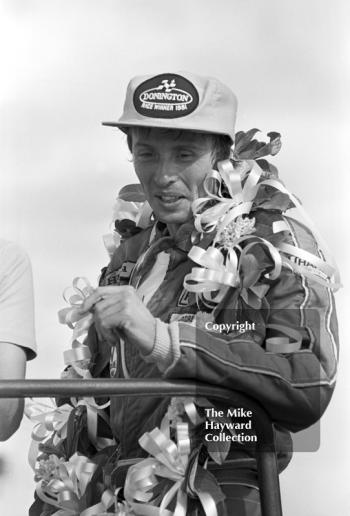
(266,454)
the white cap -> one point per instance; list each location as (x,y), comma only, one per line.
(179,101)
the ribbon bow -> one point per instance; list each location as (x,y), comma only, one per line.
(170,461)
(224,187)
(48,420)
(67,484)
(217,273)
(78,322)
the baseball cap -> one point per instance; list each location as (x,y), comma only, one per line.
(179,101)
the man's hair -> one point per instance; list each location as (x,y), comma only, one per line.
(221,143)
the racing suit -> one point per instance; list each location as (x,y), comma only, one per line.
(293,386)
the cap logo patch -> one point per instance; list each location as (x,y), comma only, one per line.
(166,96)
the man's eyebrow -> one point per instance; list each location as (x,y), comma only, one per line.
(195,146)
(141,144)
(190,145)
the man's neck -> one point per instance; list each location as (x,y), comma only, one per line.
(181,234)
(173,229)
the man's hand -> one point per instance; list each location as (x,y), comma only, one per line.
(119,310)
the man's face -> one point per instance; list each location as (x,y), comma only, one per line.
(171,169)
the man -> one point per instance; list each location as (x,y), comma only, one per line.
(17,340)
(160,316)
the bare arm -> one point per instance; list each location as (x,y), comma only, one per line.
(12,366)
(17,340)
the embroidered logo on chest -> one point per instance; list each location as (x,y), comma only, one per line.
(120,276)
(126,270)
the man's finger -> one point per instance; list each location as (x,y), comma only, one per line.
(90,302)
(110,304)
(111,321)
(103,293)
(112,289)
(96,298)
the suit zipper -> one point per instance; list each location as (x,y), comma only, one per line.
(123,361)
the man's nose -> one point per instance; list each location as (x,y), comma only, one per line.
(164,172)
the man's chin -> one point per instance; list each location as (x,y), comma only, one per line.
(178,213)
(174,218)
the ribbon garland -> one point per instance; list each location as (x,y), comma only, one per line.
(220,265)
(64,483)
(78,357)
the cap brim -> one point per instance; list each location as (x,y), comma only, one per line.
(111,124)
(162,125)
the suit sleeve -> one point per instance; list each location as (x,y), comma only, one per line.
(294,387)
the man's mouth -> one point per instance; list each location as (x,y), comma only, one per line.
(169,198)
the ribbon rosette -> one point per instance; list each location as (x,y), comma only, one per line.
(214,274)
(67,483)
(218,273)
(169,461)
(49,421)
(224,187)
(64,484)
(79,355)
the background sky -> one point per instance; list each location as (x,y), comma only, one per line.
(65,66)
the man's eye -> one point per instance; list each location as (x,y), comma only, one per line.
(185,154)
(144,155)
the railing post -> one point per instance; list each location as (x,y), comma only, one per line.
(269,487)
